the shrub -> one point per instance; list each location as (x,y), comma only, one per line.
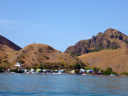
(126,41)
(6,57)
(71,53)
(14,70)
(17,70)
(98,49)
(95,69)
(109,71)
(20,71)
(5,61)
(77,71)
(33,59)
(40,50)
(40,67)
(77,66)
(1,69)
(87,67)
(21,61)
(124,73)
(94,37)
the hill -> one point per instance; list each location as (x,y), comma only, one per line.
(41,54)
(7,49)
(116,59)
(10,44)
(110,39)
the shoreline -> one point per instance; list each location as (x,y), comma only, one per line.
(63,74)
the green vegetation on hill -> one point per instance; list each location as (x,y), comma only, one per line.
(109,71)
(124,73)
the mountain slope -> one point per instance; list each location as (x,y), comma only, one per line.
(116,59)
(110,39)
(36,54)
(5,41)
(7,49)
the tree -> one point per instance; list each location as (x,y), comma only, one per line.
(1,69)
(87,67)
(77,66)
(95,70)
(109,71)
(41,66)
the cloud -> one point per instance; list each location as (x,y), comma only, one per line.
(5,21)
(24,26)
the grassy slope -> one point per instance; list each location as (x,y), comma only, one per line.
(40,54)
(116,59)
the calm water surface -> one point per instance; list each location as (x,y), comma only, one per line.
(62,85)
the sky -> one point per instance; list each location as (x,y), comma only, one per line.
(60,23)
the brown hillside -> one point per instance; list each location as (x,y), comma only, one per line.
(5,41)
(116,59)
(7,49)
(5,53)
(36,54)
(110,39)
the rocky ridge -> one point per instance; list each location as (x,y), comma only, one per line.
(110,39)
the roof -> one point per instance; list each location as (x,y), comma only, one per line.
(18,64)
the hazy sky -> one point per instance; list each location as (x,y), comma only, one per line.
(60,23)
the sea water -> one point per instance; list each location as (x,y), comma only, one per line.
(62,85)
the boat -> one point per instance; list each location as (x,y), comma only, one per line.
(84,74)
(57,72)
(32,71)
(112,75)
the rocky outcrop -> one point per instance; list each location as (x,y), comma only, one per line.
(110,39)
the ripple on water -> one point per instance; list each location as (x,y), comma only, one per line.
(61,85)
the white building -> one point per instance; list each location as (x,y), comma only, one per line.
(18,64)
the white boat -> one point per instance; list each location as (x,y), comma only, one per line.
(13,72)
(32,71)
(27,72)
(48,73)
(84,74)
(57,72)
(112,75)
